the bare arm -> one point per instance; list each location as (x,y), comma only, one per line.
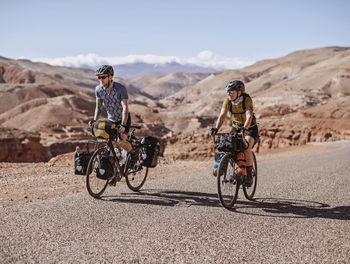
(249,117)
(98,108)
(125,106)
(221,118)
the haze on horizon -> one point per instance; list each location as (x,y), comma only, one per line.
(228,34)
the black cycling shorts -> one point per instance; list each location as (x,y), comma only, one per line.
(128,124)
(252,132)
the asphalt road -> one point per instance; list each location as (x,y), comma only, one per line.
(301,215)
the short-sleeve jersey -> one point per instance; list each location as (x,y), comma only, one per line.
(113,100)
(237,111)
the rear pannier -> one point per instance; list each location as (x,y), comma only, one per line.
(81,161)
(149,151)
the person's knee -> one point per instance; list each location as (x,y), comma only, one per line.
(126,145)
(250,142)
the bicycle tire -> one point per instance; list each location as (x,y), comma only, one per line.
(250,194)
(91,178)
(136,177)
(226,180)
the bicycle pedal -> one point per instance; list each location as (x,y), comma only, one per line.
(113,182)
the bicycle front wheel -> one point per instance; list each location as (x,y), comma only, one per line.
(228,184)
(136,178)
(250,191)
(95,184)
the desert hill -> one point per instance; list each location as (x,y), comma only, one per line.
(300,80)
(57,102)
(136,69)
(298,98)
(38,95)
(160,86)
(302,97)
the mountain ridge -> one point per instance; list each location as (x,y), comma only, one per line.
(299,98)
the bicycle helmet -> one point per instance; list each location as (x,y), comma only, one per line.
(235,85)
(105,69)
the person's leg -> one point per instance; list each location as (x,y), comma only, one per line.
(249,159)
(248,152)
(125,144)
(252,137)
(123,136)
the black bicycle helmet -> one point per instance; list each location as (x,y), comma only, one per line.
(235,85)
(105,69)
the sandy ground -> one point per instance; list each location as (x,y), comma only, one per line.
(28,182)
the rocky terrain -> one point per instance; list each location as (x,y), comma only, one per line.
(302,97)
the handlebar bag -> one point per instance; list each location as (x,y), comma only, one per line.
(226,143)
(104,129)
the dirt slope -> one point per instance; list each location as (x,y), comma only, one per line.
(299,98)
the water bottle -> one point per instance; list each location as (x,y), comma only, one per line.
(124,154)
(218,157)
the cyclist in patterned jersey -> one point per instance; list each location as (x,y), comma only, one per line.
(115,98)
(240,105)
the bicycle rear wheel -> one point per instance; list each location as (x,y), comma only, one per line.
(228,184)
(250,191)
(94,184)
(136,175)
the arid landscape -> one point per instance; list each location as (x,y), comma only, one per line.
(190,203)
(302,97)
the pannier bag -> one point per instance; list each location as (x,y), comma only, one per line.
(241,163)
(105,168)
(149,151)
(104,129)
(226,143)
(81,161)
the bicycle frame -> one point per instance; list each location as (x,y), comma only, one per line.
(135,175)
(232,181)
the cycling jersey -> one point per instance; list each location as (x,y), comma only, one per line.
(238,110)
(113,100)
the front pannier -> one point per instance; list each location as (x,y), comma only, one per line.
(105,168)
(81,161)
(149,151)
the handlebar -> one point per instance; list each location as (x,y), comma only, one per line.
(135,126)
(240,133)
(115,129)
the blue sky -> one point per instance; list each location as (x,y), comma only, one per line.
(219,31)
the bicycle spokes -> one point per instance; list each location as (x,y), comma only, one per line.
(227,182)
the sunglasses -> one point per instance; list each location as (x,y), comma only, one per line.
(102,77)
(230,92)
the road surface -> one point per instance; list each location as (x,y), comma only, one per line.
(301,215)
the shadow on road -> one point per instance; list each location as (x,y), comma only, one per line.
(292,208)
(266,207)
(167,198)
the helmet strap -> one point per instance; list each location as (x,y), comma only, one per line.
(108,86)
(238,96)
(235,98)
